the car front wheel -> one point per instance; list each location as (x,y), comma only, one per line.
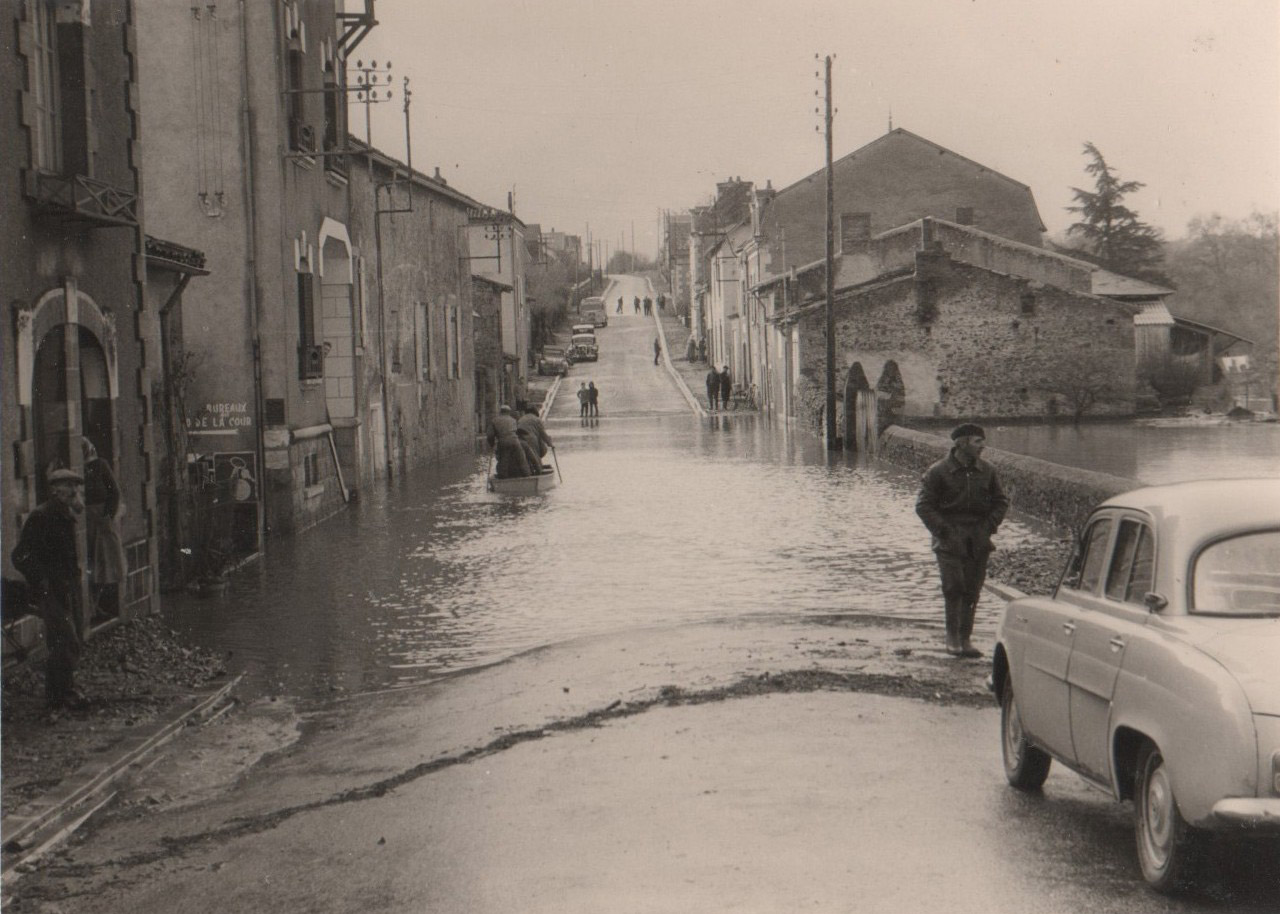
(1025,766)
(1167,845)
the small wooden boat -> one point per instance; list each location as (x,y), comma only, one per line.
(525,485)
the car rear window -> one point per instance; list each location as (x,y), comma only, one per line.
(1239,576)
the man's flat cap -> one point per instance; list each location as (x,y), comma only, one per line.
(967,430)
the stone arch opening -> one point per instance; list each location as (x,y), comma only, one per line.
(891,395)
(856,390)
(67,384)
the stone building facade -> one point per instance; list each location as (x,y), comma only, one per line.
(958,339)
(79,338)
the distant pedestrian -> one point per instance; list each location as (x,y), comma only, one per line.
(702,349)
(690,350)
(583,399)
(713,387)
(726,387)
(636,304)
(504,439)
(46,556)
(662,303)
(593,399)
(657,350)
(962,503)
(618,310)
(648,305)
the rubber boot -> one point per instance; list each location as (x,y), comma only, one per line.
(966,632)
(953,628)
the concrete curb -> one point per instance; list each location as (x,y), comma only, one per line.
(671,369)
(1003,591)
(550,397)
(37,824)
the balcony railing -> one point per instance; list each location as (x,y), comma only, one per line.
(80,198)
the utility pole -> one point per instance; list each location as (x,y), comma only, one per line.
(833,443)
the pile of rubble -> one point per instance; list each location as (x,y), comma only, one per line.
(128,675)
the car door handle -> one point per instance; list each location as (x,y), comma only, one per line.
(1117,644)
(1069,627)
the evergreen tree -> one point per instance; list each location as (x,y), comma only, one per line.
(1112,234)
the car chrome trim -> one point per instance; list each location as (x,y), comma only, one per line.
(1259,812)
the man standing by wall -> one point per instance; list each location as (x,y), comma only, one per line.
(46,556)
(962,504)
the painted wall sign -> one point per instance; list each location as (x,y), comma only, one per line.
(221,418)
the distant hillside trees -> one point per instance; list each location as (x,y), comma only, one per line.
(1109,233)
(1228,274)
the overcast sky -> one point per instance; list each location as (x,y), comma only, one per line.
(608,112)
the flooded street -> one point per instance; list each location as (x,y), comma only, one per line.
(663,518)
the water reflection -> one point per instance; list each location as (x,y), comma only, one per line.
(659,520)
(1147,452)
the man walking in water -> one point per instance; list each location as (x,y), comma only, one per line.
(713,387)
(582,399)
(962,503)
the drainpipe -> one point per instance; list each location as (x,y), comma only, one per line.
(251,292)
(382,321)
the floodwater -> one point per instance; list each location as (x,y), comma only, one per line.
(1151,451)
(659,520)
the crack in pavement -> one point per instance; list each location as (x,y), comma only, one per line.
(793,681)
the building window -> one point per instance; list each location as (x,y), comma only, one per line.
(310,353)
(302,137)
(334,110)
(311,469)
(47,129)
(455,334)
(422,339)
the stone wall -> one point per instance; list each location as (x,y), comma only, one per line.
(1059,494)
(972,343)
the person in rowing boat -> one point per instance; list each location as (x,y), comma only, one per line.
(530,428)
(504,438)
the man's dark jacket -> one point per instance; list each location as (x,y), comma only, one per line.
(958,502)
(46,550)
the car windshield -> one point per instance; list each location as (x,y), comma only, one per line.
(1239,576)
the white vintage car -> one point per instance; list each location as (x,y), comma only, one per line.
(1154,669)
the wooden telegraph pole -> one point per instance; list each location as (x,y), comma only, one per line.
(833,443)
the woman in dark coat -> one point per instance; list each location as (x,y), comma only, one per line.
(103,510)
(504,438)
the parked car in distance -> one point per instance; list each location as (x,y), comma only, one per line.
(1153,670)
(583,347)
(583,328)
(592,309)
(554,360)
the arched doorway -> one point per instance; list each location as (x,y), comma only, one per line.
(891,395)
(860,411)
(67,389)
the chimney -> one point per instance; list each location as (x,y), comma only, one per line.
(855,229)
